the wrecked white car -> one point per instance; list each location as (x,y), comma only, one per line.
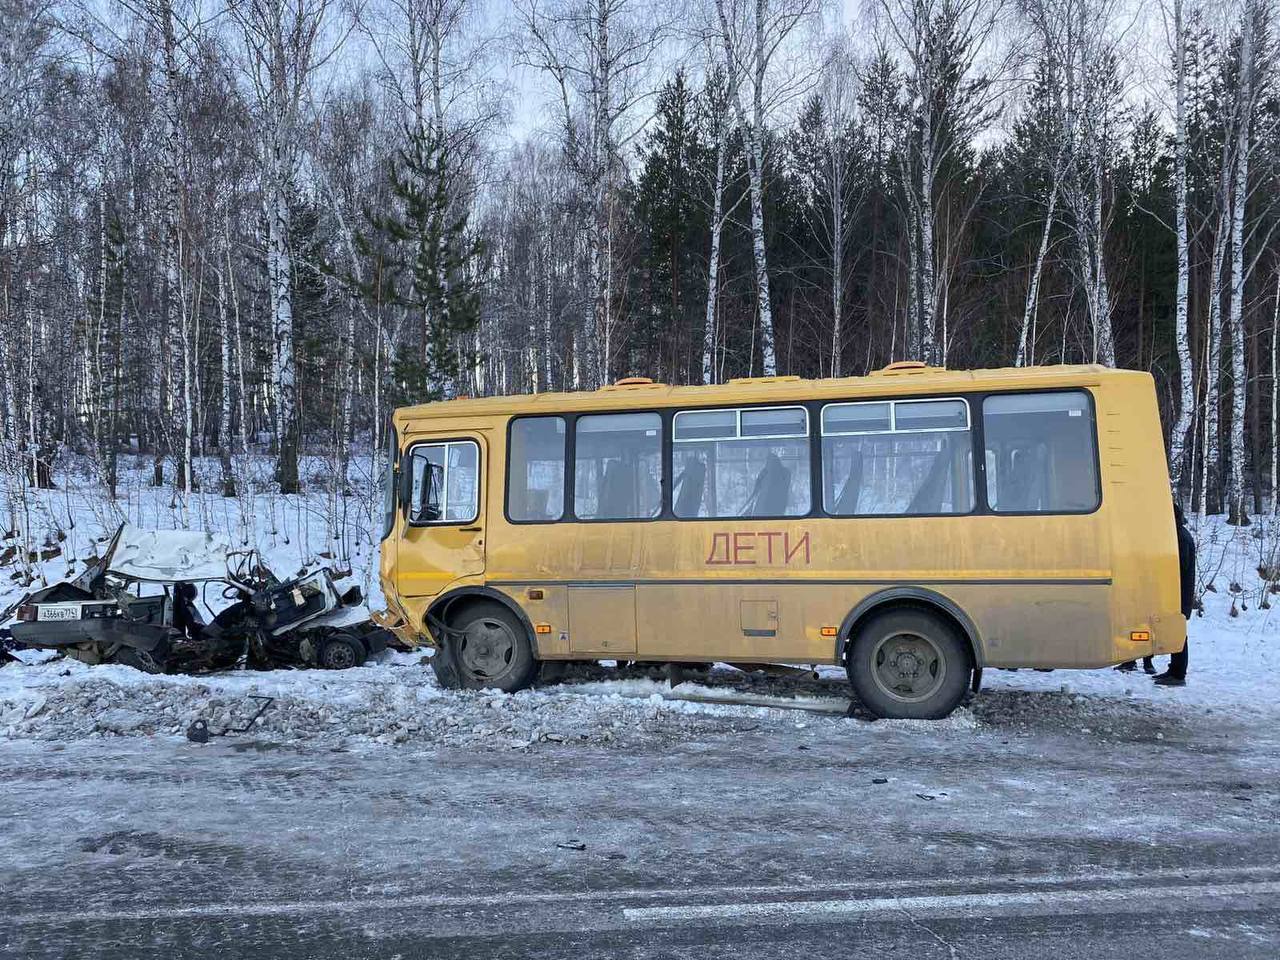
(140,605)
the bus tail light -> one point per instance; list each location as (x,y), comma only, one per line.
(1140,636)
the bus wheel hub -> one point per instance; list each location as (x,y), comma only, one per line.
(907,667)
(486,648)
(907,664)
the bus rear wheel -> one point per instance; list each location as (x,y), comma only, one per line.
(908,664)
(490,648)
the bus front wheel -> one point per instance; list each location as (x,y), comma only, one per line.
(909,664)
(489,647)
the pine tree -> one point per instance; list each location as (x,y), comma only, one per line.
(671,217)
(423,260)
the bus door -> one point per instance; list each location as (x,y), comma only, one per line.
(444,528)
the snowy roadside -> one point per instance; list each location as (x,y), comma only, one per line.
(396,701)
(393,701)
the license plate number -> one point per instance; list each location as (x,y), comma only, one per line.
(58,611)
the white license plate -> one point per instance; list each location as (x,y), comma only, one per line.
(58,611)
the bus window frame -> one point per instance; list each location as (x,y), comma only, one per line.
(571,466)
(813,411)
(975,476)
(981,454)
(893,417)
(738,412)
(570,421)
(406,464)
(806,407)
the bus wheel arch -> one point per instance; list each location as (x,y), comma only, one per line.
(928,608)
(454,617)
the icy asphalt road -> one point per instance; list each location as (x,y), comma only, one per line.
(996,842)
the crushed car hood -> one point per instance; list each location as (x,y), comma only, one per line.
(168,555)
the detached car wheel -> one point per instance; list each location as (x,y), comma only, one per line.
(909,665)
(341,653)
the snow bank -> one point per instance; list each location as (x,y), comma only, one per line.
(392,702)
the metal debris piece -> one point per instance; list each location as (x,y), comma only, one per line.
(199,731)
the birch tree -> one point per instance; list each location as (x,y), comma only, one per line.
(950,102)
(839,96)
(1178,439)
(599,55)
(1252,55)
(282,51)
(1053,150)
(1078,38)
(1274,486)
(755,34)
(24,46)
(720,92)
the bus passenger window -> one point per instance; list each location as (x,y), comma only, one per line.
(535,469)
(446,483)
(617,466)
(897,458)
(741,463)
(1041,453)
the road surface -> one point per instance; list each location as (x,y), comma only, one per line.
(805,839)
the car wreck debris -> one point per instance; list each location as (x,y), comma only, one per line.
(198,732)
(139,605)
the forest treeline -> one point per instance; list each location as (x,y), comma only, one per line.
(262,224)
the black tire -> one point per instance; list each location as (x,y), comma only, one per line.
(341,652)
(487,648)
(908,664)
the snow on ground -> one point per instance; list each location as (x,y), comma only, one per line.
(1234,659)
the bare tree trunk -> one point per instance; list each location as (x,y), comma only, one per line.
(175,335)
(928,292)
(836,160)
(1236,512)
(548,280)
(1103,336)
(239,354)
(1275,397)
(224,406)
(766,37)
(1026,345)
(96,385)
(1186,382)
(713,264)
(1210,439)
(755,171)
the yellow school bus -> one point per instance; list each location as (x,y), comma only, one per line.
(916,526)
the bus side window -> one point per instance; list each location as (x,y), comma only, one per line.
(897,458)
(1041,453)
(741,462)
(618,466)
(535,469)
